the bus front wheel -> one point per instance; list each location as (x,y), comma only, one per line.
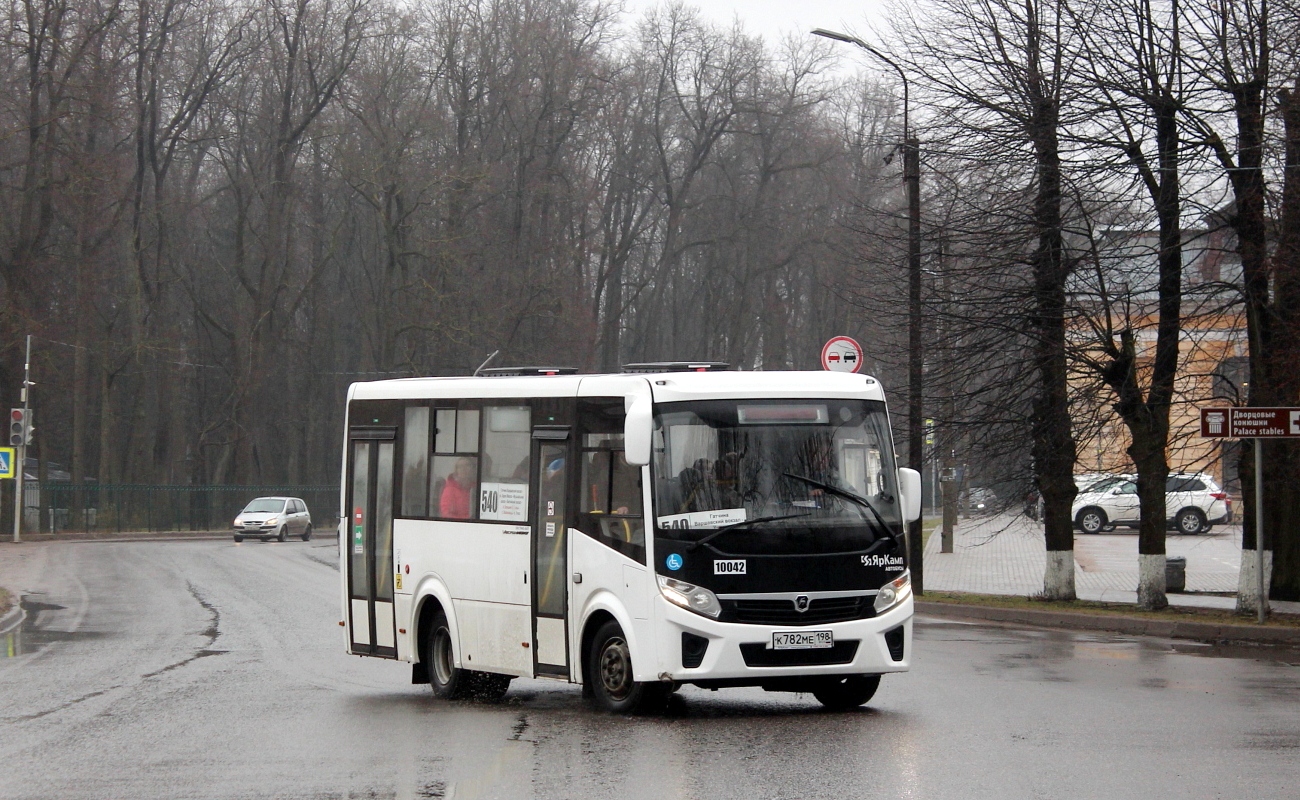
(848,692)
(447,681)
(609,671)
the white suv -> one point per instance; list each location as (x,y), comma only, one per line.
(1192,504)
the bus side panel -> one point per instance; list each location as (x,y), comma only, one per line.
(495,637)
(404,583)
(609,579)
(485,567)
(481,561)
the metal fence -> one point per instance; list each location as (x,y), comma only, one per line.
(54,507)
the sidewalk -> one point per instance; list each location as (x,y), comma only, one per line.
(1006,554)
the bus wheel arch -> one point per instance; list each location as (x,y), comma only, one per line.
(427,608)
(607,661)
(593,623)
(448,681)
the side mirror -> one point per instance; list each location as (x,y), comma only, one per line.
(637,430)
(909,485)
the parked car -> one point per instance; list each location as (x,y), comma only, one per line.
(268,518)
(1088,479)
(1193,504)
(980,500)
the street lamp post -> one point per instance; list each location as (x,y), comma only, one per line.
(912,184)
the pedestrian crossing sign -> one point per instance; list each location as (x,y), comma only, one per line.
(7,462)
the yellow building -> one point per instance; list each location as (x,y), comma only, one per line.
(1213,352)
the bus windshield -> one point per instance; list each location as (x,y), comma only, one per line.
(794,476)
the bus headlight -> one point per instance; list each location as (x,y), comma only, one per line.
(894,592)
(689,596)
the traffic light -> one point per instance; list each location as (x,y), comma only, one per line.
(20,427)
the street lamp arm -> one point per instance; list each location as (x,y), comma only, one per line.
(853,40)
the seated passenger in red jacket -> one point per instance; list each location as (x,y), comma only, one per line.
(458,491)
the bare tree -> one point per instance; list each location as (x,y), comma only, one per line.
(998,72)
(1241,56)
(1131,51)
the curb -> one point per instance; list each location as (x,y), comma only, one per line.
(1169,629)
(12,618)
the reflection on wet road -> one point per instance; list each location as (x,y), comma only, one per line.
(209,669)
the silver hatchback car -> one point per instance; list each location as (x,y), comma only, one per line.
(268,518)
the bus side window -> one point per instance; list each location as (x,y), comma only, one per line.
(624,486)
(610,488)
(415,462)
(455,486)
(507,463)
(595,481)
(453,479)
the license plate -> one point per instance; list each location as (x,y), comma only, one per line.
(802,640)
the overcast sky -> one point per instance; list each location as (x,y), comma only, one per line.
(774,18)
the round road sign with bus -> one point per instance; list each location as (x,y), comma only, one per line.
(842,354)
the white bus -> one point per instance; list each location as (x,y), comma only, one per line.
(678,523)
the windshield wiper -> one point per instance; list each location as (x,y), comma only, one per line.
(856,498)
(754,521)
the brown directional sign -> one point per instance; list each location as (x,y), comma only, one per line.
(1250,423)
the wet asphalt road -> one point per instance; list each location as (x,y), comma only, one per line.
(210,670)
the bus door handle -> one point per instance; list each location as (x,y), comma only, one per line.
(577,577)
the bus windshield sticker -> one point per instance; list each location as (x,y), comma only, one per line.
(703,519)
(674,562)
(504,501)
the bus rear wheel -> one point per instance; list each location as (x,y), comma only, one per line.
(609,671)
(842,694)
(447,681)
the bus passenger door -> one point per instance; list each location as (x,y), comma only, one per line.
(370,542)
(551,553)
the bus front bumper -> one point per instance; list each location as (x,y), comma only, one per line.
(739,654)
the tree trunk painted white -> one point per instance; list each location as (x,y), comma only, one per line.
(1058,579)
(1151,581)
(1248,582)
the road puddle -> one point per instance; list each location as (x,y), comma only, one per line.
(30,636)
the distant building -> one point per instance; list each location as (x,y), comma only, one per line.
(1121,290)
